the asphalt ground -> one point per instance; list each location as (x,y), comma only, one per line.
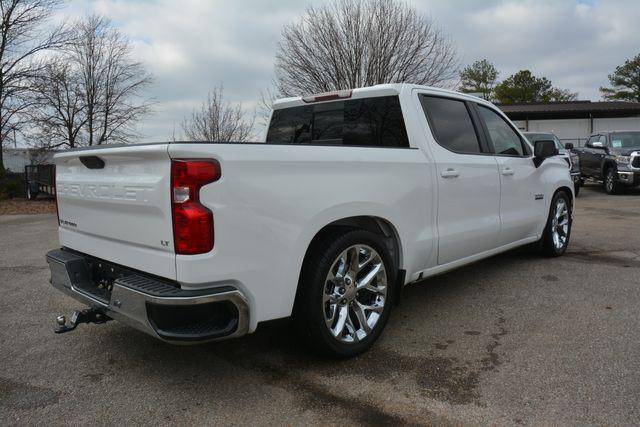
(515,339)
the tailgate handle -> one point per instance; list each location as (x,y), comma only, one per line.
(92,162)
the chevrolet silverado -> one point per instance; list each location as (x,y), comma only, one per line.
(354,194)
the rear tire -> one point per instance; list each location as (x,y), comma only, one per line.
(611,186)
(346,291)
(555,238)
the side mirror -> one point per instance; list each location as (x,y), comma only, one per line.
(568,146)
(544,149)
(597,144)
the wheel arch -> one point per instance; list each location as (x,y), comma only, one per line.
(606,165)
(569,193)
(374,224)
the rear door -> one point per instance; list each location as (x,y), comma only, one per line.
(468,184)
(114,204)
(599,156)
(522,201)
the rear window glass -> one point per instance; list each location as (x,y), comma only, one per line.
(376,122)
(451,124)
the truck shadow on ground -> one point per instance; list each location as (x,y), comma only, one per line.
(426,351)
(433,368)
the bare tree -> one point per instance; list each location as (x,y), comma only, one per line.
(91,92)
(355,43)
(60,114)
(265,107)
(24,34)
(112,82)
(218,120)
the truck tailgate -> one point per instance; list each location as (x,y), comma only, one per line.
(114,204)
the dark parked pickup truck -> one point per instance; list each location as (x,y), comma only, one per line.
(612,157)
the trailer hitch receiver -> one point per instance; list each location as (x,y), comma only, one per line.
(89,315)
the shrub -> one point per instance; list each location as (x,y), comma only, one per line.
(12,185)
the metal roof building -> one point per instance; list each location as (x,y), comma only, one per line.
(574,121)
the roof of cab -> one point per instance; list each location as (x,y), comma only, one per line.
(386,89)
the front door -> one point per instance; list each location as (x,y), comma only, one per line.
(591,159)
(467,177)
(522,201)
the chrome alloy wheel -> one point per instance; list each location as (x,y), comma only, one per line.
(355,293)
(560,224)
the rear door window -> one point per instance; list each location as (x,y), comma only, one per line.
(451,124)
(369,122)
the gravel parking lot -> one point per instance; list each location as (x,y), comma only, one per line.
(516,339)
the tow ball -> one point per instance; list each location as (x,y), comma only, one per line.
(89,315)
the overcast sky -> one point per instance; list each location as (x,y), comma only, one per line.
(191,46)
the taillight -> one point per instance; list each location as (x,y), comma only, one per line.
(192,222)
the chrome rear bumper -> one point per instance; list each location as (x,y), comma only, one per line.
(151,305)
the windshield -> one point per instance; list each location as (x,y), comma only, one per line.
(625,140)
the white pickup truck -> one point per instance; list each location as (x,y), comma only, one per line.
(354,194)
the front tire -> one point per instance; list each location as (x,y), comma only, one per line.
(611,185)
(557,232)
(345,293)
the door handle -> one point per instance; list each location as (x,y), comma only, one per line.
(507,171)
(450,173)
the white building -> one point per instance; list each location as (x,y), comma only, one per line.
(574,121)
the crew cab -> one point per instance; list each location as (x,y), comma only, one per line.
(353,195)
(612,157)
